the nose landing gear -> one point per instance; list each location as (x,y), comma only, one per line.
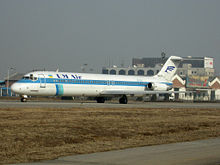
(24,98)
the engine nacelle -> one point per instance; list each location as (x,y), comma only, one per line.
(157,86)
(163,87)
(150,86)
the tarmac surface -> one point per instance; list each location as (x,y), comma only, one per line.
(203,152)
(69,104)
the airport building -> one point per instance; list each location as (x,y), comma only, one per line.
(193,74)
(202,66)
(204,88)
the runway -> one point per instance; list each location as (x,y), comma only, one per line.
(204,152)
(69,104)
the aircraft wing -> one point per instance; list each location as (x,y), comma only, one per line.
(121,92)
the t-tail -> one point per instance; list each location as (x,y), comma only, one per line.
(169,68)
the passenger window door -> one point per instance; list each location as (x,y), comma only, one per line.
(42,80)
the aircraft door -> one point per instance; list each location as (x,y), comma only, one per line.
(42,80)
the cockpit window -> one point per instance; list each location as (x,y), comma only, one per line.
(26,78)
(30,78)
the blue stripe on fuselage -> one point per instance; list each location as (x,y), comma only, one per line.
(91,82)
(59,90)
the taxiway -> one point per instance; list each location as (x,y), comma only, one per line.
(203,152)
(69,104)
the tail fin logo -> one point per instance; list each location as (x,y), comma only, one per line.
(170,68)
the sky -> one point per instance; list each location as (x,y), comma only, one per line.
(66,34)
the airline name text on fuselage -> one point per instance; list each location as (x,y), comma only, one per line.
(66,76)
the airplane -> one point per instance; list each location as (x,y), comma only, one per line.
(100,86)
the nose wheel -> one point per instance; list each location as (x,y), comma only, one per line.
(24,98)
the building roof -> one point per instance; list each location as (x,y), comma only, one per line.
(215,83)
(196,62)
(178,81)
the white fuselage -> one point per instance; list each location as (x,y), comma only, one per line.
(46,83)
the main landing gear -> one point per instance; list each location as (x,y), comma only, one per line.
(123,100)
(100,99)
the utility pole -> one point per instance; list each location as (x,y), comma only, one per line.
(8,82)
(9,68)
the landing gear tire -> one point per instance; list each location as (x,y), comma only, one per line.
(123,100)
(100,99)
(23,100)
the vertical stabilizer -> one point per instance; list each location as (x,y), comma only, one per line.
(169,68)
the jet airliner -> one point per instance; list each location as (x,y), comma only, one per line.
(50,83)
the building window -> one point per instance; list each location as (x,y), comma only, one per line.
(104,71)
(112,71)
(140,72)
(150,72)
(131,72)
(122,72)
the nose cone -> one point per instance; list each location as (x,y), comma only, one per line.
(16,88)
